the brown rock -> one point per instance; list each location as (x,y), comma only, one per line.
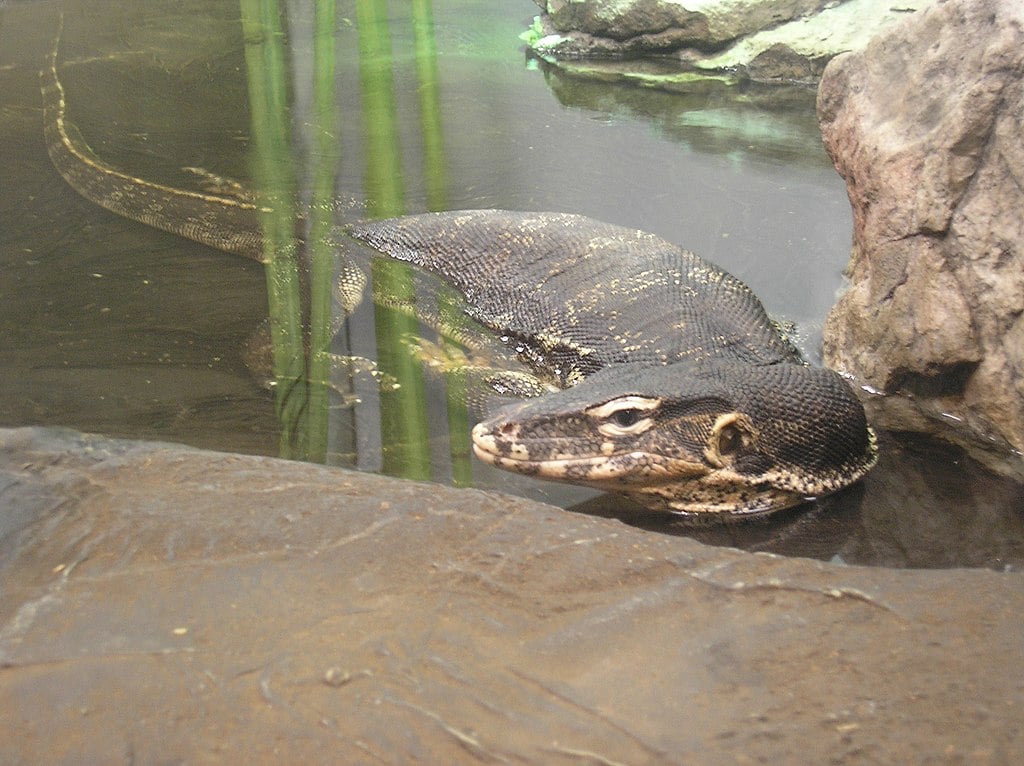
(926,126)
(649,26)
(774,41)
(163,605)
(780,63)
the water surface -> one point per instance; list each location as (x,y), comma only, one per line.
(112,327)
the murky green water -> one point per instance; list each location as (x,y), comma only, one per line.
(112,327)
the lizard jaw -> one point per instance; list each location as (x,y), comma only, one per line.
(613,472)
(689,489)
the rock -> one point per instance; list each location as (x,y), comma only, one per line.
(164,604)
(798,50)
(925,125)
(780,62)
(767,40)
(657,25)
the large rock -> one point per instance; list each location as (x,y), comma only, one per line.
(927,127)
(658,25)
(168,605)
(766,40)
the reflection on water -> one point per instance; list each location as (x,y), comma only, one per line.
(746,122)
(370,109)
(926,504)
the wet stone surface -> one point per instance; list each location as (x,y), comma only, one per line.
(171,604)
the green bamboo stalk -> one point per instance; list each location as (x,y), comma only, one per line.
(268,100)
(320,252)
(404,427)
(435,173)
(435,162)
(460,446)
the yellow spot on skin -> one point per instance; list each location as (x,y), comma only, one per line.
(607,448)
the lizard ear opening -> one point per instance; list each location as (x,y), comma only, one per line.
(732,434)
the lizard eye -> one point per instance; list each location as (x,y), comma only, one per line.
(625,416)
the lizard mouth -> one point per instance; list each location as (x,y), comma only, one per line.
(691,490)
(605,471)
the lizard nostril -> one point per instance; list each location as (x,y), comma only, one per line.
(508,429)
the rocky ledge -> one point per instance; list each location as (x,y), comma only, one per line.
(164,604)
(675,41)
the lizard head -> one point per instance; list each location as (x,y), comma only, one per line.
(708,440)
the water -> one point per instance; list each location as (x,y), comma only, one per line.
(112,327)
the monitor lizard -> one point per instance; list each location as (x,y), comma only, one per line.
(677,388)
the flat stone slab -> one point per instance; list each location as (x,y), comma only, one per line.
(164,604)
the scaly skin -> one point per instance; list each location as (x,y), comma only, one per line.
(705,440)
(680,391)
